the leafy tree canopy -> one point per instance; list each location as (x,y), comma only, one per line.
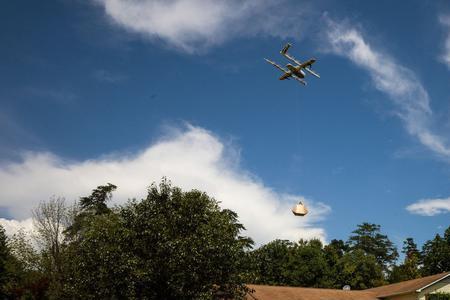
(171,245)
(368,238)
(436,254)
(360,270)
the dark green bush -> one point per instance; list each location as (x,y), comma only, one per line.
(439,296)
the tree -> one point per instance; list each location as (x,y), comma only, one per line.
(410,248)
(28,279)
(50,219)
(99,264)
(96,202)
(270,262)
(170,245)
(337,248)
(4,256)
(334,252)
(436,254)
(359,270)
(367,237)
(409,269)
(304,263)
(307,264)
(88,206)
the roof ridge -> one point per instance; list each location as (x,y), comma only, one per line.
(309,288)
(408,286)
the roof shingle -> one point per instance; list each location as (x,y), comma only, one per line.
(265,292)
(405,287)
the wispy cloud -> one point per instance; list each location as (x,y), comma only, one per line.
(445,21)
(193,25)
(191,158)
(430,207)
(51,94)
(107,76)
(185,25)
(400,84)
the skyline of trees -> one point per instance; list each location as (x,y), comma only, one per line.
(177,244)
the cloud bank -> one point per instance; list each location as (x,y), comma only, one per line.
(194,25)
(411,100)
(13,226)
(430,207)
(190,158)
(445,21)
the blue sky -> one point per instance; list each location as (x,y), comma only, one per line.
(100,87)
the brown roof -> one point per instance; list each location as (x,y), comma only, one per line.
(405,287)
(265,292)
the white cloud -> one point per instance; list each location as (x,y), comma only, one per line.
(445,21)
(13,226)
(193,158)
(411,100)
(193,25)
(430,207)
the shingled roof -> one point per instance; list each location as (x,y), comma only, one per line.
(266,292)
(409,286)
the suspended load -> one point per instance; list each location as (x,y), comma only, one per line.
(300,209)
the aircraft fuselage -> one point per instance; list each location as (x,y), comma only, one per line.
(296,70)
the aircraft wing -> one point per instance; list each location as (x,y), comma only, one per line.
(299,79)
(291,58)
(307,64)
(312,72)
(276,66)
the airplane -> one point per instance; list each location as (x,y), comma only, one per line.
(292,71)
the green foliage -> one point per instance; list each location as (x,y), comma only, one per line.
(171,245)
(270,261)
(359,270)
(181,245)
(96,202)
(367,237)
(307,265)
(4,256)
(410,248)
(439,296)
(92,205)
(99,264)
(362,262)
(409,269)
(436,254)
(27,279)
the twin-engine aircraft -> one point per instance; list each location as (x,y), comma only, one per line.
(292,71)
